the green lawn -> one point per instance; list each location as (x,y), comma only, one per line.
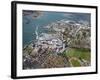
(75,55)
(79,53)
(28,50)
(75,63)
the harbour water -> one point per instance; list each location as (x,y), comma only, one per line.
(30,23)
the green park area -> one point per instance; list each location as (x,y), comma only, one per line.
(78,57)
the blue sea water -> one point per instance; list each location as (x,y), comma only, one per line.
(30,24)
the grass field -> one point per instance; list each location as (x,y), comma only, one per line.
(75,63)
(77,55)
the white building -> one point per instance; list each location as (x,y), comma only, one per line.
(50,41)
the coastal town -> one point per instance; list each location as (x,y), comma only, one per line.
(53,48)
